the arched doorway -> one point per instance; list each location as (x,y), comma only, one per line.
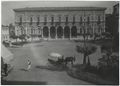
(45,31)
(74,31)
(59,32)
(66,32)
(52,32)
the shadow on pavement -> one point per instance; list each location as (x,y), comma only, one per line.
(22,69)
(3,82)
(52,68)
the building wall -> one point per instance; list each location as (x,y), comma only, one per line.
(80,17)
(116,17)
(5,33)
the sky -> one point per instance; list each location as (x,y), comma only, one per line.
(8,6)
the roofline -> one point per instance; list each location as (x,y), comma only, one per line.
(116,5)
(60,9)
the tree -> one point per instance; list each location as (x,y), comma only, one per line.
(108,66)
(86,50)
(89,49)
(12,32)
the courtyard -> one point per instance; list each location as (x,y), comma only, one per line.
(39,54)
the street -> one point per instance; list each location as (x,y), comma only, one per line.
(39,53)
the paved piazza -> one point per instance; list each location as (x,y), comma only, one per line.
(39,53)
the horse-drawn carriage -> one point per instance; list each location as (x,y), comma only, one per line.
(58,59)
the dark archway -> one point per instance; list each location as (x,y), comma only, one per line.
(45,31)
(74,31)
(59,32)
(52,32)
(67,32)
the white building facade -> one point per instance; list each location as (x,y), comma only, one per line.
(59,22)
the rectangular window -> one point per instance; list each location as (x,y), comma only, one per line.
(20,21)
(98,20)
(66,19)
(45,20)
(31,20)
(59,19)
(73,19)
(80,20)
(88,20)
(52,20)
(38,20)
(83,18)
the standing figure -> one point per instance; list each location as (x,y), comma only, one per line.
(29,65)
(5,69)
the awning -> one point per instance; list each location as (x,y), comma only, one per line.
(56,55)
(6,54)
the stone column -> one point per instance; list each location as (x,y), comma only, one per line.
(42,32)
(100,28)
(70,33)
(56,33)
(63,34)
(104,26)
(49,33)
(93,29)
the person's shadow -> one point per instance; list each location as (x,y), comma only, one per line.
(23,69)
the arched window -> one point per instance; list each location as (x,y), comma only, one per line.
(52,32)
(67,32)
(74,31)
(45,31)
(59,32)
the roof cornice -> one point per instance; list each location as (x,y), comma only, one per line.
(59,9)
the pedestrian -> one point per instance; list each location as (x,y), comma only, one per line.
(29,64)
(5,69)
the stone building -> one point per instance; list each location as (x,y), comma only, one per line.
(5,33)
(59,22)
(116,17)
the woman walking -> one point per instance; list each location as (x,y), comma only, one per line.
(29,64)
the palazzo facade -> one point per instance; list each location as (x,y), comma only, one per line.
(59,22)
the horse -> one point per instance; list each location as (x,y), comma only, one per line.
(69,59)
(60,60)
